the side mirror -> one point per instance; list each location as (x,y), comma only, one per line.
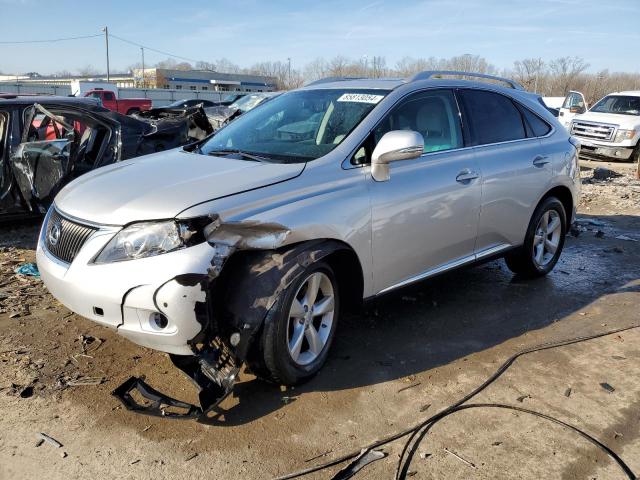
(393,146)
(577,109)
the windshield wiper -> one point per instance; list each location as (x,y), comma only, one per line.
(250,156)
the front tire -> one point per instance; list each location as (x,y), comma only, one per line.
(543,242)
(298,332)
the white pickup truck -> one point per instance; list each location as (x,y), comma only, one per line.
(610,130)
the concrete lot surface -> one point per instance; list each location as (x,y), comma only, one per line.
(406,357)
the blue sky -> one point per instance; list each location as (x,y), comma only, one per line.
(604,32)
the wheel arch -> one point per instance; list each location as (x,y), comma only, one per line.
(562,193)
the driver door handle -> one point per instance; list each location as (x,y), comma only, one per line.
(541,160)
(466,176)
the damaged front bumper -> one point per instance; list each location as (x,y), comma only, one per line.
(209,317)
(589,150)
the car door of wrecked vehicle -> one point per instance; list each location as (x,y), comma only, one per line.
(425,217)
(55,149)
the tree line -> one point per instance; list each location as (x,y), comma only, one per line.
(549,78)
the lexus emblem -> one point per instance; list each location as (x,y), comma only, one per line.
(54,234)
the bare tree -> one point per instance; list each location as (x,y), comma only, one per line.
(225,65)
(205,66)
(529,72)
(566,70)
(87,71)
(316,69)
(339,66)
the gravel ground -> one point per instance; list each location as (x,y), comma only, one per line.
(407,356)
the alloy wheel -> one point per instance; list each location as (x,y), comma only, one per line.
(547,238)
(310,318)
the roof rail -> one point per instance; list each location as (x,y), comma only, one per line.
(426,75)
(333,79)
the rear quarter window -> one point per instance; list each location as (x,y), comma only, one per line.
(537,126)
(491,117)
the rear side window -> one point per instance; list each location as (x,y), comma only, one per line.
(491,117)
(538,127)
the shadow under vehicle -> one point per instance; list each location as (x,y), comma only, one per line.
(47,141)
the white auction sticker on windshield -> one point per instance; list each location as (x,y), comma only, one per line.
(360,98)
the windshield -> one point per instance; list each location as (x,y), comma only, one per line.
(246,103)
(297,126)
(622,104)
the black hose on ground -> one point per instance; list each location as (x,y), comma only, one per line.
(403,466)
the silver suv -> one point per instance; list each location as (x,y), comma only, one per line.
(245,247)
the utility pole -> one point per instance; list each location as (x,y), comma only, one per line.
(142,50)
(106,40)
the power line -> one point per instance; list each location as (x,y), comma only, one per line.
(51,40)
(152,49)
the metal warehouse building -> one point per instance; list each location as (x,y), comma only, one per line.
(206,80)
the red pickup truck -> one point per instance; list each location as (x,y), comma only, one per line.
(126,106)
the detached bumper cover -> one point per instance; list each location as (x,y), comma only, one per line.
(211,391)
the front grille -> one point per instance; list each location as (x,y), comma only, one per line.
(593,131)
(64,238)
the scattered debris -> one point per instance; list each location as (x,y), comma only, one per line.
(471,464)
(424,408)
(26,392)
(424,455)
(63,454)
(365,458)
(27,269)
(135,461)
(50,440)
(39,442)
(85,381)
(601,173)
(146,428)
(567,392)
(409,386)
(90,343)
(496,444)
(607,387)
(191,457)
(318,456)
(522,397)
(618,357)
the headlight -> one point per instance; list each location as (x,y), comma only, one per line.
(146,239)
(623,135)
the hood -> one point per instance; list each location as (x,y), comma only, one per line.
(623,121)
(164,184)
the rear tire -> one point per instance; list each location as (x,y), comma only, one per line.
(543,242)
(298,332)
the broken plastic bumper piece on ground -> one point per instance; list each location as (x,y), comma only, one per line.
(214,384)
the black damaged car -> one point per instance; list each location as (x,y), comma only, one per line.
(47,141)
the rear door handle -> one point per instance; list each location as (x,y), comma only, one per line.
(466,176)
(541,160)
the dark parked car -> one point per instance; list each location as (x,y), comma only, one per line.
(221,115)
(47,141)
(191,102)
